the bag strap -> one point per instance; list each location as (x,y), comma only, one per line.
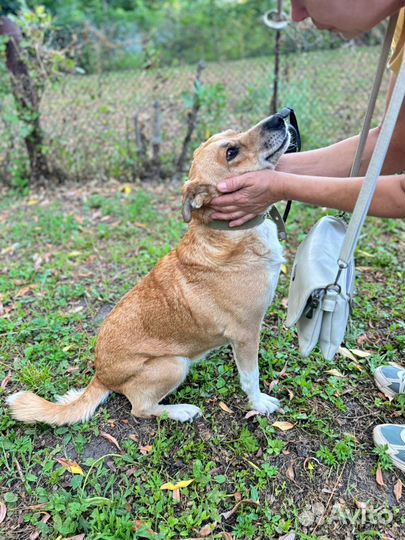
(374,169)
(374,94)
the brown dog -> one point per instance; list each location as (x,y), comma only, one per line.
(212,290)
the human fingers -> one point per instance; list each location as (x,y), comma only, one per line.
(227,216)
(225,200)
(232,184)
(242,220)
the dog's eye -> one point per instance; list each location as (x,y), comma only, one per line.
(231,153)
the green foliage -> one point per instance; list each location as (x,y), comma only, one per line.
(384,459)
(8,7)
(125,34)
(21,115)
(43,62)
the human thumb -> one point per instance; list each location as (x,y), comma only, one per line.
(230,184)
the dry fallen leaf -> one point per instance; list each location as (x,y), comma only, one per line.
(35,534)
(73,254)
(290,472)
(6,380)
(397,490)
(358,367)
(3,511)
(379,477)
(72,369)
(289,536)
(361,340)
(145,450)
(110,438)
(37,506)
(365,253)
(126,188)
(283,372)
(359,353)
(351,436)
(70,466)
(346,353)
(176,495)
(250,414)
(179,485)
(227,536)
(225,407)
(138,524)
(250,502)
(290,394)
(26,290)
(335,373)
(134,437)
(272,385)
(283,426)
(46,517)
(207,530)
(38,260)
(32,202)
(76,537)
(9,250)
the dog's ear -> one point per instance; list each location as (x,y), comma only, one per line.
(196,195)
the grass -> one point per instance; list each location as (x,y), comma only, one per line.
(67,256)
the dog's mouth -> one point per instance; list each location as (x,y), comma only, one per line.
(285,142)
(295,140)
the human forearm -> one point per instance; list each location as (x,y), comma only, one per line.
(342,193)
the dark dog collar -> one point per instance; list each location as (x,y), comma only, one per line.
(272,214)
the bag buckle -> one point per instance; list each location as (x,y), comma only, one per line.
(312,303)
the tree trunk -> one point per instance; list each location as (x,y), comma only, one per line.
(27,102)
(191,120)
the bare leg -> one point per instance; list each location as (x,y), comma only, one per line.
(246,359)
(158,378)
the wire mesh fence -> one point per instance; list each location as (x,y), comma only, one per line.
(90,120)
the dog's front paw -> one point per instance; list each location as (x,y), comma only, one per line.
(265,404)
(182,412)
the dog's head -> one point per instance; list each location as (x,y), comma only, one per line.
(230,154)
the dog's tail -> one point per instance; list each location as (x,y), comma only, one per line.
(75,406)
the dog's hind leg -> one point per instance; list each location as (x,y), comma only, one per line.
(246,354)
(158,378)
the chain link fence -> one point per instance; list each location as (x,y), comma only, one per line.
(90,120)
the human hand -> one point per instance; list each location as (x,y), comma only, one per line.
(247,196)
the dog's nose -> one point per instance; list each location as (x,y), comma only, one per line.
(274,122)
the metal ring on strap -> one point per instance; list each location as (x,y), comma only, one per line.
(273,20)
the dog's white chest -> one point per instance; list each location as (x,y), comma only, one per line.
(267,233)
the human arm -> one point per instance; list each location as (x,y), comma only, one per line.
(316,177)
(262,189)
